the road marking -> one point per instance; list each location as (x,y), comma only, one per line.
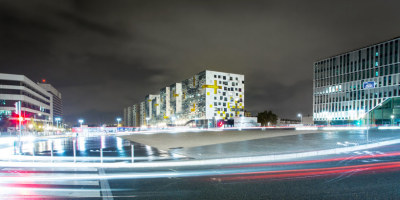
(105,187)
(40,169)
(50,192)
(69,182)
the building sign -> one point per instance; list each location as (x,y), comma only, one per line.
(369,84)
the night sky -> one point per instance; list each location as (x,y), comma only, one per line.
(105,55)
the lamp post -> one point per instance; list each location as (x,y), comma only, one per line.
(58,119)
(392,119)
(118,120)
(147,120)
(80,122)
(173,120)
(301,118)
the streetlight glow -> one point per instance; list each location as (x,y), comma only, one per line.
(118,120)
(301,118)
(57,120)
(81,121)
(147,119)
(392,117)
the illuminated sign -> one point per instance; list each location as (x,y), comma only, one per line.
(370,84)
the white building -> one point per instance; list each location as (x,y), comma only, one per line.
(165,104)
(36,102)
(135,115)
(142,114)
(202,99)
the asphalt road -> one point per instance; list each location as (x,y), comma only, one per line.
(365,174)
(370,174)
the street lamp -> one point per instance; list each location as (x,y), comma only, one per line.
(118,120)
(301,118)
(57,120)
(147,120)
(392,117)
(81,122)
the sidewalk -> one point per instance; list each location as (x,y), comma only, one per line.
(167,141)
(209,145)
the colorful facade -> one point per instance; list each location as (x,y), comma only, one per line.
(202,99)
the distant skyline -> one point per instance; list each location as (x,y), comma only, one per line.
(105,55)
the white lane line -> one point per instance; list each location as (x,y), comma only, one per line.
(105,187)
(51,192)
(39,169)
(69,182)
(34,175)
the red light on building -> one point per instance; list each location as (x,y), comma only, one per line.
(43,80)
(220,123)
(20,119)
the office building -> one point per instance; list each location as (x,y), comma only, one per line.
(358,87)
(57,99)
(36,102)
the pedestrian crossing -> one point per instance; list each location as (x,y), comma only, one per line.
(52,183)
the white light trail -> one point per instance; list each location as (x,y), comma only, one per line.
(222,161)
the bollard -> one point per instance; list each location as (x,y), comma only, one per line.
(101,155)
(101,149)
(74,151)
(33,153)
(132,153)
(51,151)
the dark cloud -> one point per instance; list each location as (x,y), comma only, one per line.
(105,55)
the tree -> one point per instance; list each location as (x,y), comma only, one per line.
(267,117)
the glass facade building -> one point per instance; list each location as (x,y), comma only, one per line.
(349,86)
